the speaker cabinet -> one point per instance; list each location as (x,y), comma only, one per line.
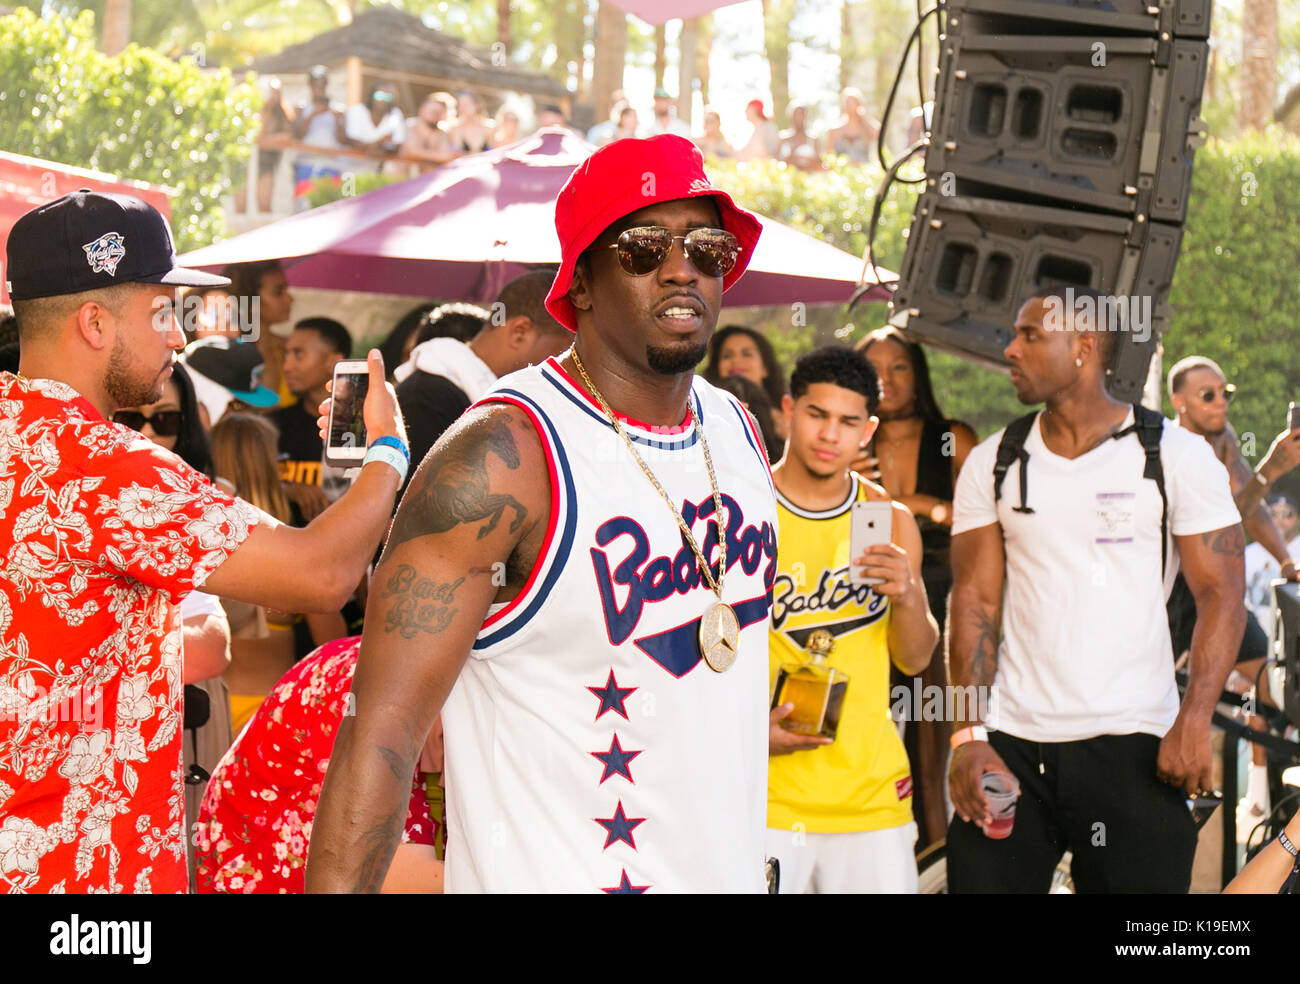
(1060,153)
(971,262)
(1066,120)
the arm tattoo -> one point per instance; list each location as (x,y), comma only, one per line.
(453,488)
(420,604)
(378,845)
(1227,542)
(394,761)
(984,661)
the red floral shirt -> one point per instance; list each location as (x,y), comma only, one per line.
(256,816)
(101,534)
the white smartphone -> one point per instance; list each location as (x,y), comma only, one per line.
(346,446)
(870,523)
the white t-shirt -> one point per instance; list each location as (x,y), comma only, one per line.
(359,126)
(674,125)
(1261,569)
(321,132)
(1085,645)
(200,603)
(320,129)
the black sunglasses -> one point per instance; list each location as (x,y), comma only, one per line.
(165,423)
(1208,394)
(642,250)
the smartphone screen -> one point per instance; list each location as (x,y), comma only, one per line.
(1293,416)
(871,523)
(347,430)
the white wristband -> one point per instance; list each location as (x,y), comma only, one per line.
(976,732)
(390,456)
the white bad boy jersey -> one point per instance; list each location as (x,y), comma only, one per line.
(588,746)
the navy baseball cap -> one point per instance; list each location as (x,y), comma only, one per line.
(89,240)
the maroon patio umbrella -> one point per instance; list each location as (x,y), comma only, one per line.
(463,230)
(662,11)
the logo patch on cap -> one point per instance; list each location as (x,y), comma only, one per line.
(105,253)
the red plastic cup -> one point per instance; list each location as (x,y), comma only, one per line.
(1002,790)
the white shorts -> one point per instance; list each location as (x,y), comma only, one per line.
(875,861)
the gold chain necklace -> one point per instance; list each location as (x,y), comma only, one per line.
(719,627)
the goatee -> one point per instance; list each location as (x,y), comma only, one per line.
(677,359)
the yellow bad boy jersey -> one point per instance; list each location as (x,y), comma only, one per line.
(862,781)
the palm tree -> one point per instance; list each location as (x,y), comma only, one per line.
(661,53)
(611,54)
(117,26)
(1259,43)
(705,50)
(503,26)
(776,39)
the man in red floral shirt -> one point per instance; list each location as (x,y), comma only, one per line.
(102,533)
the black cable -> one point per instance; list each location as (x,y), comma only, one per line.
(878,203)
(898,78)
(1275,821)
(920,61)
(891,170)
(1260,672)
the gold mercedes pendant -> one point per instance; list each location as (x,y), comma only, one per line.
(719,637)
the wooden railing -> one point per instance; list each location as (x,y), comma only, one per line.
(282,200)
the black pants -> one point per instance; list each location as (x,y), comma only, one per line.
(1098,798)
(1181,609)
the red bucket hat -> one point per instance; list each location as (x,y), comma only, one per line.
(616,181)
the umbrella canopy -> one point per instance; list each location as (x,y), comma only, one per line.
(662,11)
(466,228)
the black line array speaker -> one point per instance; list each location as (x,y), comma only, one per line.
(1060,153)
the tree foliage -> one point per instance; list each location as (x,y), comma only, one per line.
(1234,297)
(137,115)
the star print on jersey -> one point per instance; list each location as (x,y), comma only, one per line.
(619,827)
(625,887)
(616,761)
(612,697)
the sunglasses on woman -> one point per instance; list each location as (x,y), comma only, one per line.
(165,423)
(642,250)
(1208,394)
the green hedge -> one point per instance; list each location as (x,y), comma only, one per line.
(322,191)
(137,115)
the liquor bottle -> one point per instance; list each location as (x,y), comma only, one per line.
(816,690)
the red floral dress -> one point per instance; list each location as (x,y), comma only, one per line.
(256,816)
(101,534)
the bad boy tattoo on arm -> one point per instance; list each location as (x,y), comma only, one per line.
(420,604)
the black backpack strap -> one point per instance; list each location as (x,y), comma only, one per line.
(1012,448)
(1150,427)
